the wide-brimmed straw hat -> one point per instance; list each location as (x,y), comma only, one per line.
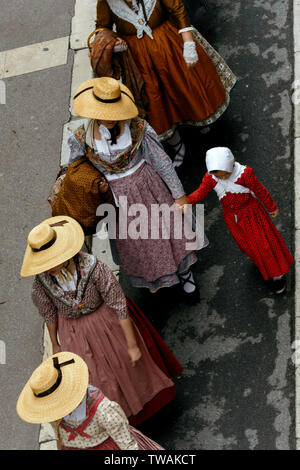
(51,243)
(54,389)
(105,99)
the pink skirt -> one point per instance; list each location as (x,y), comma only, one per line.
(99,339)
(149,258)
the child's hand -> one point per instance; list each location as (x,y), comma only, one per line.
(274,214)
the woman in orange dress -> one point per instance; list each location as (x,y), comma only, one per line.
(186,81)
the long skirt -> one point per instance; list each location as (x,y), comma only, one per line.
(144,443)
(151,261)
(99,339)
(176,94)
(259,239)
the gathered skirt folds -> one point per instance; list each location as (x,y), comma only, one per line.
(176,94)
(257,237)
(154,259)
(99,339)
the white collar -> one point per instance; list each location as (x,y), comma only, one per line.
(123,11)
(104,147)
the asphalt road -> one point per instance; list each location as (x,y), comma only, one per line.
(237,390)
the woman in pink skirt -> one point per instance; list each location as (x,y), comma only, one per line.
(87,313)
(83,417)
(126,150)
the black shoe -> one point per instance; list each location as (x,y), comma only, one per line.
(193,297)
(279,285)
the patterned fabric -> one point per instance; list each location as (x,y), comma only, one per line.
(105,419)
(96,285)
(156,15)
(249,223)
(150,150)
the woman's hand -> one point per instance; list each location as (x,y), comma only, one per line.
(181,203)
(134,354)
(274,214)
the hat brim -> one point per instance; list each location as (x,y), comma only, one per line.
(61,402)
(86,105)
(69,241)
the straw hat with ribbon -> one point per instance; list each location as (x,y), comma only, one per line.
(105,99)
(51,243)
(54,389)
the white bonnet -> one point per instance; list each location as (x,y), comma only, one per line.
(219,158)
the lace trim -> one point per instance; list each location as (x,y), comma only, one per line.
(123,11)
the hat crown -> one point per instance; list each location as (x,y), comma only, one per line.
(107,88)
(43,378)
(40,235)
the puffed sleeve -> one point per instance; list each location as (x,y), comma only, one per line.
(43,302)
(155,155)
(110,289)
(113,419)
(250,180)
(177,12)
(206,186)
(77,150)
(104,16)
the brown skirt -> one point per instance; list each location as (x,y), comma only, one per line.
(177,94)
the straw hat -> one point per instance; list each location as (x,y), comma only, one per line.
(54,389)
(51,243)
(105,99)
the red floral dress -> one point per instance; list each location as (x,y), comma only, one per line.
(247,219)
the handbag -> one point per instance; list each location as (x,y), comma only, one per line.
(78,194)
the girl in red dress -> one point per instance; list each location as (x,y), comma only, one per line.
(248,221)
